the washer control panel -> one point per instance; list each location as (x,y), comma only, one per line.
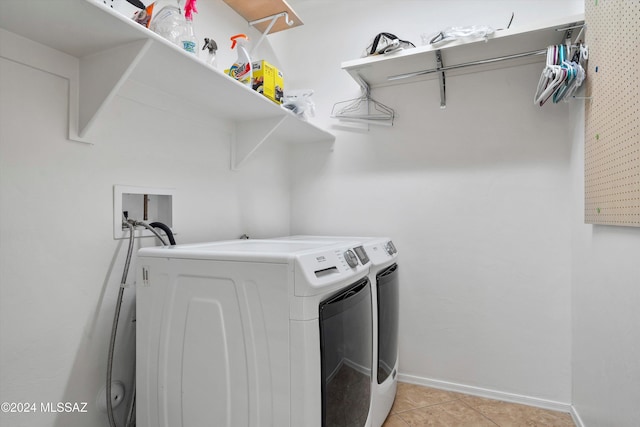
(362,254)
(324,269)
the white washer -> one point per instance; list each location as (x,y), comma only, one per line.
(253,333)
(383,275)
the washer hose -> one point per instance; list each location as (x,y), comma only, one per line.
(166,229)
(151,228)
(116,317)
(130,224)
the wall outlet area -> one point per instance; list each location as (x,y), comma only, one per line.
(143,204)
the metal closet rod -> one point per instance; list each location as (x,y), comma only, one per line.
(569,30)
(467,64)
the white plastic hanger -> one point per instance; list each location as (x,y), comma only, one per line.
(549,78)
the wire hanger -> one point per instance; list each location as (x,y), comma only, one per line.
(364,109)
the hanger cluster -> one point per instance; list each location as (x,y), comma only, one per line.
(563,74)
(364,109)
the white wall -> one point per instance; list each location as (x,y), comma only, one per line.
(60,267)
(605,297)
(483,199)
(477,197)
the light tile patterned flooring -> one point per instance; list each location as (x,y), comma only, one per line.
(418,406)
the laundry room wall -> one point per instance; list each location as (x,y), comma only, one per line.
(605,297)
(60,267)
(476,196)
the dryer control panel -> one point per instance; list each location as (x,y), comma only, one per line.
(381,252)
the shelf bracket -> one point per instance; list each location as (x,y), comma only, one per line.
(569,31)
(93,79)
(102,74)
(273,19)
(441,77)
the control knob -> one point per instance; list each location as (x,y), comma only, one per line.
(351,258)
(389,248)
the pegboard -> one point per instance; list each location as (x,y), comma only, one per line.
(612,113)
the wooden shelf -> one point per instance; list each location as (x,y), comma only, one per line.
(253,10)
(376,71)
(106,49)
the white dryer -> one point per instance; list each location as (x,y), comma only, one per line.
(253,333)
(381,254)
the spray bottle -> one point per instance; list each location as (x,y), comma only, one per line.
(211,47)
(241,70)
(189,40)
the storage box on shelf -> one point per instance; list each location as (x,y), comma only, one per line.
(268,80)
(102,49)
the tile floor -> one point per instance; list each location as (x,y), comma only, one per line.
(418,406)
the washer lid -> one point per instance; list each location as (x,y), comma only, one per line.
(318,266)
(239,250)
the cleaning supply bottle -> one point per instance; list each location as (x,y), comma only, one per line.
(241,70)
(211,47)
(189,40)
(167,20)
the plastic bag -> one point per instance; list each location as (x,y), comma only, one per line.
(300,102)
(458,33)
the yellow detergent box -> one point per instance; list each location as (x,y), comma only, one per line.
(268,80)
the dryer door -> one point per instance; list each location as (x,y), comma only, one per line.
(387,286)
(346,356)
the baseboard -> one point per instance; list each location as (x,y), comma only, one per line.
(492,394)
(576,417)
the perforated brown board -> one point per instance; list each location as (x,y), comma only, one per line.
(612,120)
